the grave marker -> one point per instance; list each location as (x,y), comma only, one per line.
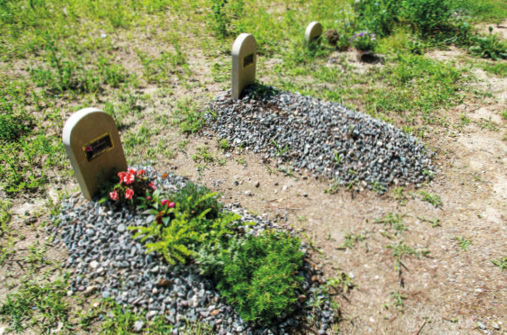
(313,31)
(94,148)
(244,61)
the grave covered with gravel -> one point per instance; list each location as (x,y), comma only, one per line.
(326,138)
(107,261)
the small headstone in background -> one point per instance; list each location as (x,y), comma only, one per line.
(94,148)
(313,31)
(244,61)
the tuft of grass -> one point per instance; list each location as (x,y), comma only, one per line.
(351,240)
(433,199)
(398,299)
(394,220)
(401,250)
(501,263)
(463,243)
(188,117)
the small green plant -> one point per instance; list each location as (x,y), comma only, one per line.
(351,240)
(431,198)
(187,117)
(342,283)
(203,155)
(463,243)
(394,220)
(501,263)
(398,300)
(280,151)
(401,250)
(224,144)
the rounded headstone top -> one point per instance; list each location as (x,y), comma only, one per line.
(313,31)
(74,120)
(244,41)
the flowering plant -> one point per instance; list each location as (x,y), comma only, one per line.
(134,187)
(364,41)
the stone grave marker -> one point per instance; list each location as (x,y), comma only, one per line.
(244,61)
(94,148)
(313,31)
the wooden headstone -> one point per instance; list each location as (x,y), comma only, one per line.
(94,148)
(313,31)
(244,61)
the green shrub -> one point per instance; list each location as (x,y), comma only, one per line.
(489,46)
(427,17)
(258,275)
(379,16)
(13,126)
(194,200)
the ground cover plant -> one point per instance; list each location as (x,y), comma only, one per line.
(156,65)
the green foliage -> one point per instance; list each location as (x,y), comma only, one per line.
(188,117)
(37,305)
(258,275)
(175,240)
(26,164)
(489,46)
(501,263)
(394,220)
(427,17)
(401,250)
(433,199)
(194,199)
(196,220)
(379,16)
(12,125)
(159,70)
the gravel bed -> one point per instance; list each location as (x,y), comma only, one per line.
(107,261)
(323,137)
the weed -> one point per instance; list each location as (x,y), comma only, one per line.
(463,243)
(224,144)
(280,151)
(351,240)
(501,263)
(394,220)
(398,300)
(431,198)
(340,284)
(203,155)
(401,250)
(487,124)
(187,116)
(399,195)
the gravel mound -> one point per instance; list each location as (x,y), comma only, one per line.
(107,261)
(323,137)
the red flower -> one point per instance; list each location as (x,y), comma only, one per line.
(169,204)
(122,176)
(132,171)
(152,185)
(113,195)
(89,149)
(129,193)
(149,197)
(130,178)
(141,172)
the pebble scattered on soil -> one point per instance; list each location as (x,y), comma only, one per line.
(324,137)
(108,262)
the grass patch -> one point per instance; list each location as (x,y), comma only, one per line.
(37,305)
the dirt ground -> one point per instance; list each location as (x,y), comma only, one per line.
(449,291)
